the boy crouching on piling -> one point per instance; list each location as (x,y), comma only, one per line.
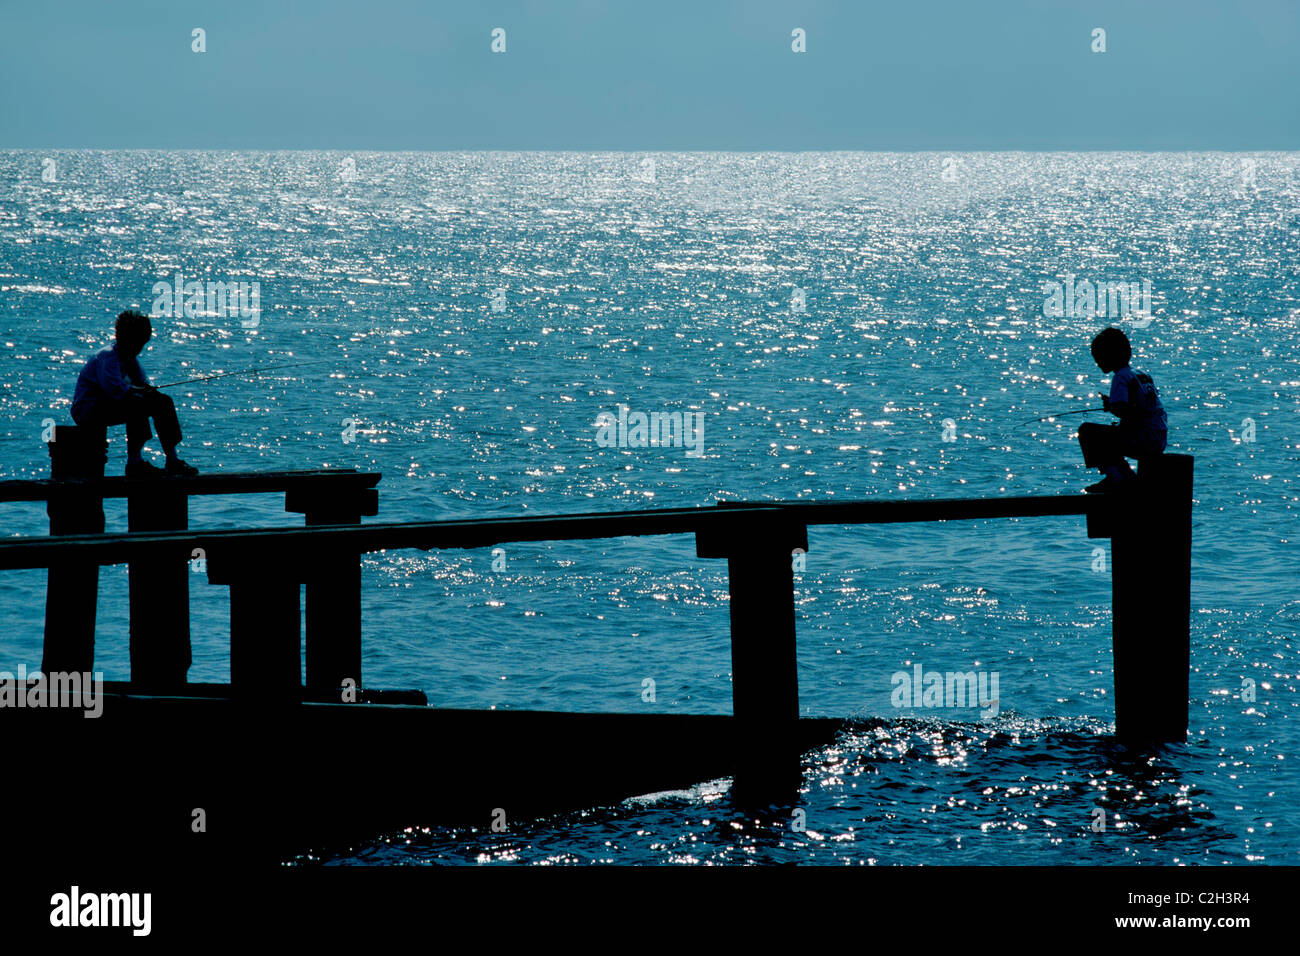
(112,389)
(1142,429)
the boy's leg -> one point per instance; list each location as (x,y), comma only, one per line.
(163,412)
(1122,471)
(127,412)
(136,436)
(1147,445)
(1102,449)
(135,415)
(1099,446)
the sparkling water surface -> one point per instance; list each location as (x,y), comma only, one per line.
(667,282)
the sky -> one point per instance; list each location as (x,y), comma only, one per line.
(658,74)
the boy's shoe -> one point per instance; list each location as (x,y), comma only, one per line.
(143,469)
(179,469)
(1107,486)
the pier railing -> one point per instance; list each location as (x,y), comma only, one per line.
(1149,526)
(159,585)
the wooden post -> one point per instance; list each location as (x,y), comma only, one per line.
(72,587)
(764,655)
(159,590)
(265,626)
(1151,590)
(333,590)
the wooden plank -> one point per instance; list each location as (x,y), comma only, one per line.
(216,483)
(885,511)
(210,691)
(484,532)
(283,543)
(320,501)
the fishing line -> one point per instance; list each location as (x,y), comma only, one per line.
(247,371)
(1073,411)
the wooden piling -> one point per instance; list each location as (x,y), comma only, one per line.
(265,626)
(159,590)
(764,655)
(333,588)
(72,586)
(1151,554)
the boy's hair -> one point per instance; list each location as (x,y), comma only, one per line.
(1111,347)
(133,326)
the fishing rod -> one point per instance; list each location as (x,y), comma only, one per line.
(247,371)
(1073,411)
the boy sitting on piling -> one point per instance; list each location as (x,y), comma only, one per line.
(1142,429)
(112,389)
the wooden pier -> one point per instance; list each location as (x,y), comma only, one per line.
(302,734)
(159,584)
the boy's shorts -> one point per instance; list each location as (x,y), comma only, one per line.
(134,411)
(1104,445)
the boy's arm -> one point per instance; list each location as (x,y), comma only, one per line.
(139,380)
(1120,410)
(112,379)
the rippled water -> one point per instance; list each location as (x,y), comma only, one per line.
(668,283)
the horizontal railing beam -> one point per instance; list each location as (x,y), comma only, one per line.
(270,545)
(939,509)
(217,483)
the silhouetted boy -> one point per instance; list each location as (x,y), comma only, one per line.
(1142,430)
(112,389)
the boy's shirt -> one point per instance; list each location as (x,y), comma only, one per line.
(107,377)
(1138,392)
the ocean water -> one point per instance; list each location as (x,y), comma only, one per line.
(849,325)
